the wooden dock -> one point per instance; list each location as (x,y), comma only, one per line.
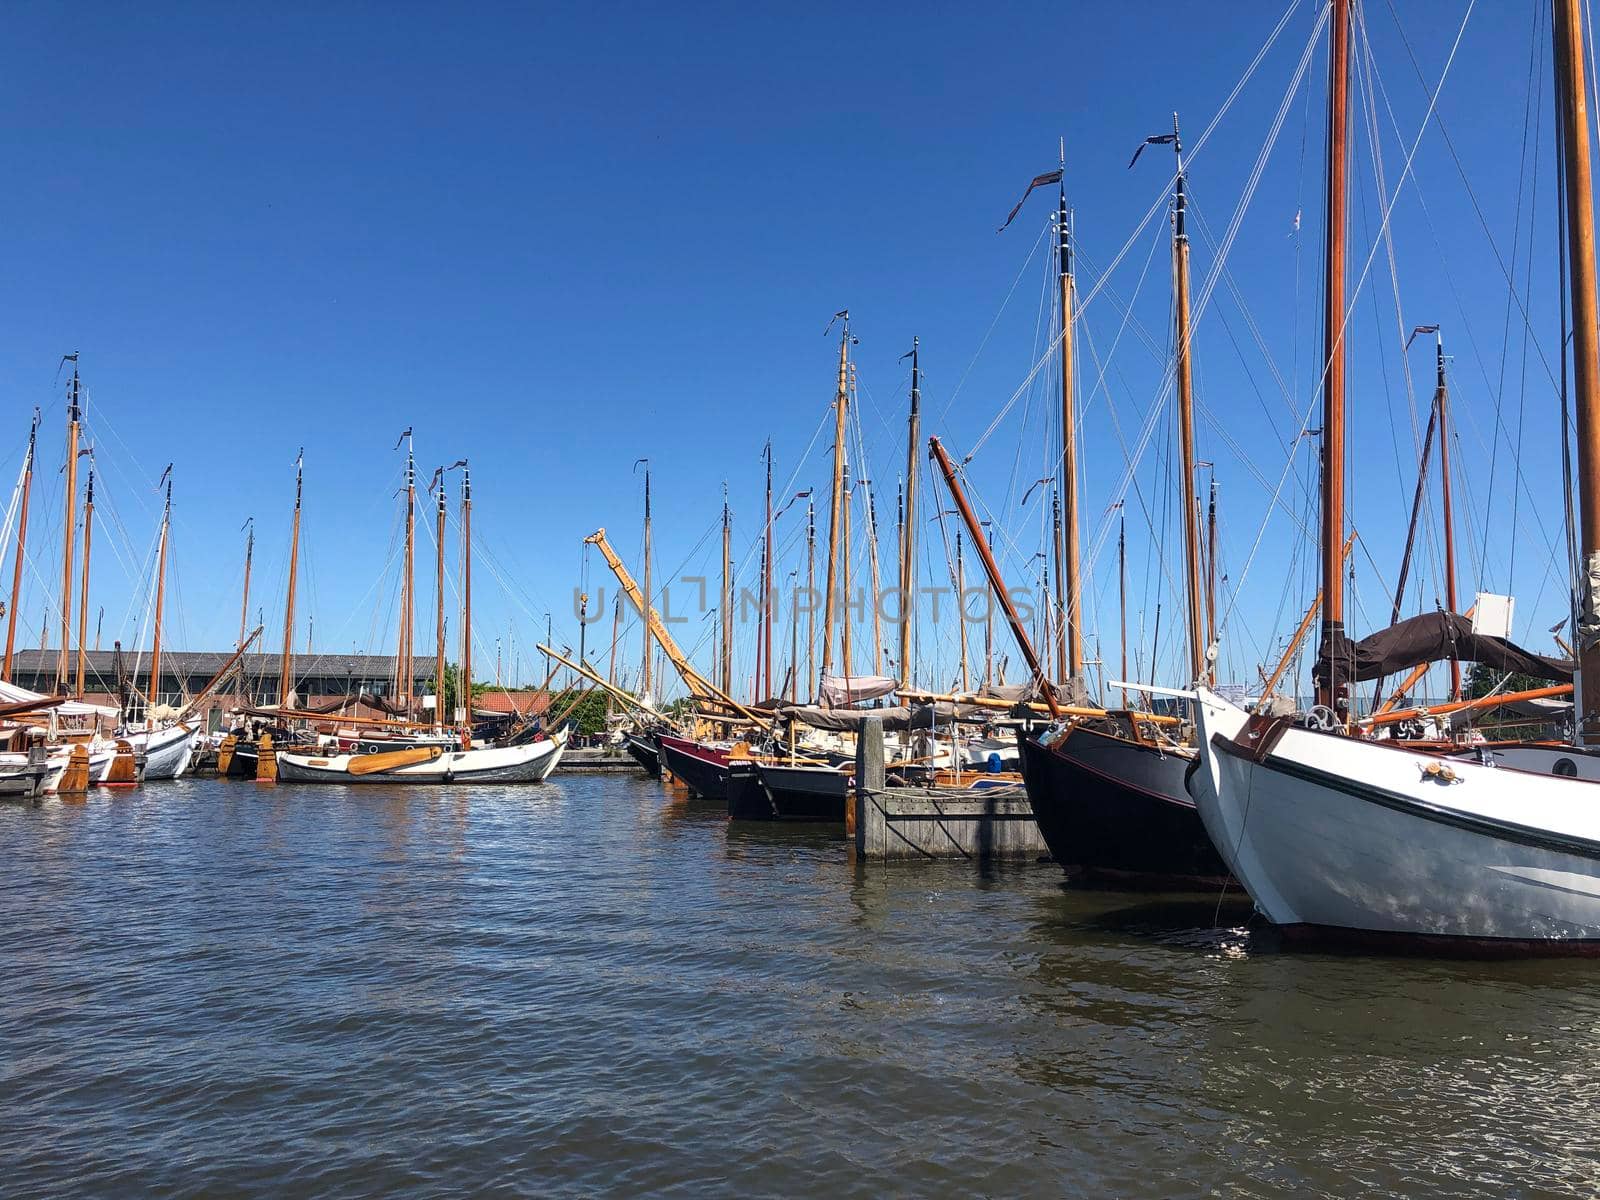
(904,824)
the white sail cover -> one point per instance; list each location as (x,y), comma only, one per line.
(838,691)
(10,693)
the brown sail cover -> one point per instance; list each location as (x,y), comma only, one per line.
(1430,638)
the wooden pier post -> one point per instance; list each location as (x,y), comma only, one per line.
(75,782)
(266,760)
(868,833)
(225,753)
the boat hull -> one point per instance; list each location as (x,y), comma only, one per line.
(167,752)
(786,793)
(702,769)
(1345,840)
(1117,812)
(643,750)
(495,764)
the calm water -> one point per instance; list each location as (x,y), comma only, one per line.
(211,988)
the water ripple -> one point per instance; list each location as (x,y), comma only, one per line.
(596,987)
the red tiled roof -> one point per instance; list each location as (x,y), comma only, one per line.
(522,704)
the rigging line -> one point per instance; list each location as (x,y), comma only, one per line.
(1209,284)
(1483,220)
(1363,72)
(1375,141)
(1284,387)
(1047,359)
(1533,216)
(1205,135)
(1194,155)
(1461,310)
(988,333)
(1511,287)
(1433,102)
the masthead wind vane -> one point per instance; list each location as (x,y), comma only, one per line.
(1048,177)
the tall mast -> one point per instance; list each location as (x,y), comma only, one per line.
(161,597)
(768,568)
(1122,594)
(611,668)
(403,662)
(83,591)
(1440,397)
(727,594)
(986,528)
(1573,85)
(22,546)
(1332,691)
(761,624)
(1211,580)
(908,523)
(841,411)
(244,604)
(877,583)
(961,612)
(1058,533)
(1069,642)
(1191,503)
(794,652)
(811,590)
(438,620)
(649,596)
(286,667)
(69,530)
(844,576)
(466,597)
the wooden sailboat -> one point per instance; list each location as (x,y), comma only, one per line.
(1346,838)
(1108,794)
(449,756)
(167,746)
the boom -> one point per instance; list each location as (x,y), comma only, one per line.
(698,685)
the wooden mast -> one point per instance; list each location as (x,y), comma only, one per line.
(844,579)
(1122,592)
(1211,581)
(961,612)
(988,613)
(438,620)
(1440,397)
(1573,85)
(1058,536)
(465,689)
(286,666)
(727,594)
(1069,641)
(405,672)
(83,590)
(768,568)
(908,541)
(841,407)
(69,526)
(794,652)
(991,569)
(611,667)
(244,604)
(1332,691)
(649,598)
(161,596)
(811,590)
(877,582)
(22,546)
(1191,503)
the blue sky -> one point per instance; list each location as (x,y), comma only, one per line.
(557,239)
